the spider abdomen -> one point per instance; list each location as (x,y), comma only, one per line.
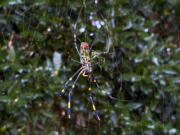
(85,58)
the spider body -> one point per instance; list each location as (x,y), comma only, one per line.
(85,59)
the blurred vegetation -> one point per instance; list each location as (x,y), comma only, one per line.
(142,66)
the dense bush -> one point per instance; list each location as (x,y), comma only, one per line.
(141,44)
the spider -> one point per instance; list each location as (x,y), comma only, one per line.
(87,57)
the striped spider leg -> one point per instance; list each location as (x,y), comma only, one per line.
(91,99)
(67,82)
(105,93)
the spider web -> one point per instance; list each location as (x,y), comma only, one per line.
(90,24)
(79,20)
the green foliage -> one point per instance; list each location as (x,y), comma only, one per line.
(139,41)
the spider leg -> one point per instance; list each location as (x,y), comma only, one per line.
(76,61)
(68,81)
(84,74)
(69,95)
(92,102)
(75,40)
(103,92)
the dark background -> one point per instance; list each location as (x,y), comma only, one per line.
(140,39)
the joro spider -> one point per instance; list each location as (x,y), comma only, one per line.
(86,70)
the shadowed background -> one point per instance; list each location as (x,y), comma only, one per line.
(142,66)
